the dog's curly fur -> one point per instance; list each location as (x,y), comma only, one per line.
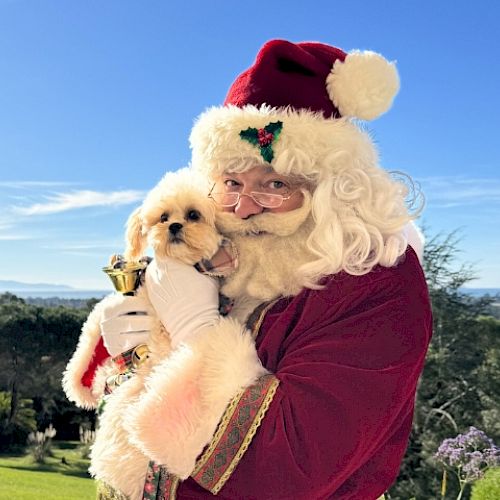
(177,220)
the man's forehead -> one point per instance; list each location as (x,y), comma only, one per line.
(257,169)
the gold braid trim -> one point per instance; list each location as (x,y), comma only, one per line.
(233,404)
(253,324)
(249,436)
(226,418)
(256,318)
(106,492)
(173,488)
(256,326)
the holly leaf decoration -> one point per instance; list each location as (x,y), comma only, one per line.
(274,128)
(263,138)
(267,153)
(250,135)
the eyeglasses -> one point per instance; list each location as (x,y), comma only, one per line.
(265,200)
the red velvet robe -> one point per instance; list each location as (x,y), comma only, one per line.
(348,358)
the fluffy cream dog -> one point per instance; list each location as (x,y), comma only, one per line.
(176,220)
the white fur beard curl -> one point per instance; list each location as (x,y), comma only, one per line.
(271,247)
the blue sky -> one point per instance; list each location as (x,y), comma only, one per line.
(97,100)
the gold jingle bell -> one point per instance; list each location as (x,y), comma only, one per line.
(139,355)
(125,275)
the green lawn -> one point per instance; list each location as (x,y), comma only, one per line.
(22,479)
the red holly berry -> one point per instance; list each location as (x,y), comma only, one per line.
(265,138)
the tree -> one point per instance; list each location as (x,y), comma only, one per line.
(15,430)
(36,343)
(459,386)
(18,327)
(62,327)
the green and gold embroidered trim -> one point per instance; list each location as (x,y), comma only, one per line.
(106,492)
(221,429)
(167,488)
(159,484)
(236,431)
(253,324)
(256,318)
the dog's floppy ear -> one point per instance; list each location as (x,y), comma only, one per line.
(134,237)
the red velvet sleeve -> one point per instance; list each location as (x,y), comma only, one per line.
(347,359)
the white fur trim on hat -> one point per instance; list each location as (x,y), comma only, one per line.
(364,85)
(309,144)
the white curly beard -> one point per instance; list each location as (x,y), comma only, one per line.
(271,247)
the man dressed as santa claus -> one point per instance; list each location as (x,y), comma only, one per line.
(306,389)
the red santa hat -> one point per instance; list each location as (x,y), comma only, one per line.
(293,106)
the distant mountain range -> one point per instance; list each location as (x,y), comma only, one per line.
(480,292)
(15,286)
(18,286)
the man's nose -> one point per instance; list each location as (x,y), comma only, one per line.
(247,207)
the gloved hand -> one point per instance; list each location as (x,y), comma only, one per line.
(185,300)
(125,323)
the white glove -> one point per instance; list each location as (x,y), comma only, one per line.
(185,300)
(125,323)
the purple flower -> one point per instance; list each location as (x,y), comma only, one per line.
(492,456)
(469,454)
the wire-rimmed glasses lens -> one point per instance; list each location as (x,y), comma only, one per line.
(265,200)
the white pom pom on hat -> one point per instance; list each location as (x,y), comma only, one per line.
(363,85)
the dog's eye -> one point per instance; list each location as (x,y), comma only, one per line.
(164,217)
(193,215)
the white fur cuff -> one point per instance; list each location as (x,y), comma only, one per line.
(187,394)
(85,397)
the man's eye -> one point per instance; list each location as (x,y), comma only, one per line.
(230,183)
(193,215)
(164,217)
(277,185)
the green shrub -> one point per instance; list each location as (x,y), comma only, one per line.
(487,488)
(14,431)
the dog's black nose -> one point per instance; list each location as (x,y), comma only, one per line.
(175,228)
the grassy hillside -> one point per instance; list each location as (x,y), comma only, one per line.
(63,477)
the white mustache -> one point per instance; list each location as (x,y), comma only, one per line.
(280,224)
